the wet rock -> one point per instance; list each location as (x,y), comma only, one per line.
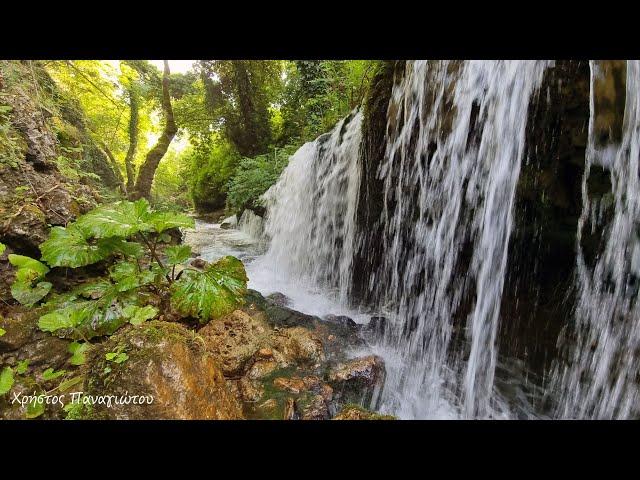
(316,385)
(376,327)
(261,369)
(356,412)
(234,339)
(250,390)
(344,332)
(279,299)
(229,222)
(23,340)
(299,345)
(289,409)
(293,385)
(198,263)
(312,407)
(358,378)
(167,362)
(274,409)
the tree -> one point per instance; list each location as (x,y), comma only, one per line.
(241,92)
(142,188)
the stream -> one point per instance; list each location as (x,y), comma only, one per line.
(212,242)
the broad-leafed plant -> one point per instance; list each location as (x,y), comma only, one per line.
(129,236)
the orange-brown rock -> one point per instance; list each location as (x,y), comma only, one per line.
(169,365)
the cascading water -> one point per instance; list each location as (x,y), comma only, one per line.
(457,132)
(311,212)
(455,140)
(600,378)
(251,224)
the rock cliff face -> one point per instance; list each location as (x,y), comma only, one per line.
(34,193)
(537,300)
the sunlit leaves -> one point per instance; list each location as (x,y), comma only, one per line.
(117,357)
(214,292)
(178,254)
(6,380)
(50,374)
(102,232)
(78,351)
(67,317)
(120,219)
(162,221)
(138,315)
(70,247)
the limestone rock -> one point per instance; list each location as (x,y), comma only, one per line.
(234,339)
(358,378)
(169,363)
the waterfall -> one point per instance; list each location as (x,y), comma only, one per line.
(600,377)
(456,137)
(251,224)
(311,211)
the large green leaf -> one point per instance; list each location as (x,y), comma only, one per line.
(28,263)
(120,219)
(29,271)
(138,315)
(27,295)
(68,317)
(177,254)
(77,351)
(162,221)
(69,247)
(6,380)
(216,291)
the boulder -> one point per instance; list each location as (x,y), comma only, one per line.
(358,379)
(234,339)
(167,364)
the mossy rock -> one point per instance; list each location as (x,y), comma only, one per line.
(168,365)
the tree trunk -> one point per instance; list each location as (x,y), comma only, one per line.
(148,168)
(133,137)
(115,167)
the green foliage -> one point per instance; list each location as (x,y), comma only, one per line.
(2,331)
(254,176)
(34,409)
(50,374)
(101,307)
(102,232)
(116,357)
(138,315)
(27,289)
(78,351)
(178,254)
(6,380)
(71,247)
(2,248)
(214,292)
(22,367)
(211,165)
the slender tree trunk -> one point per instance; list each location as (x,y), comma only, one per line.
(115,167)
(148,168)
(133,137)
